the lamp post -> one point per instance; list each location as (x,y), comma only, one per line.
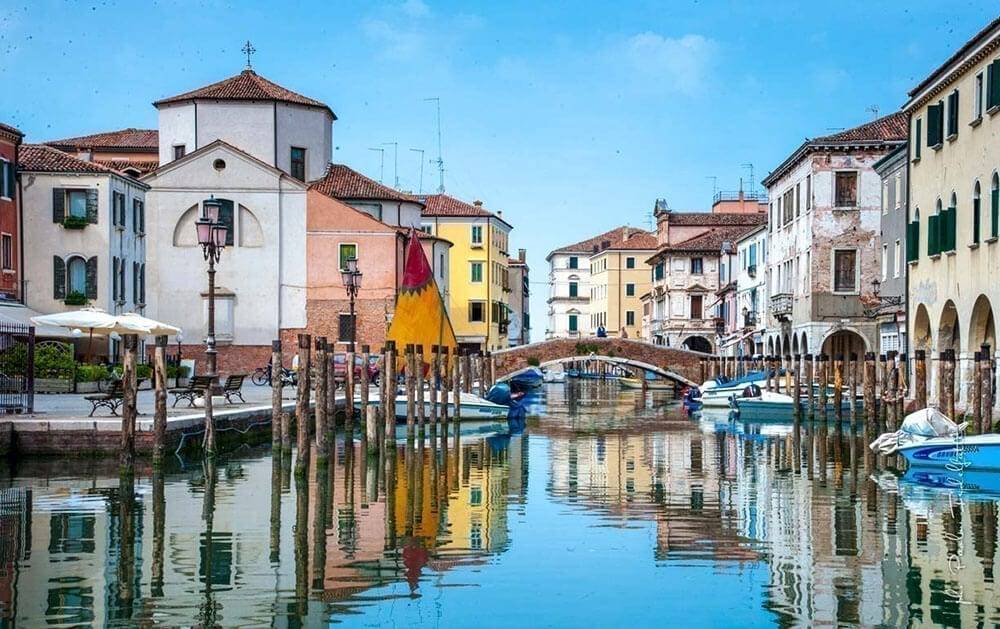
(212,234)
(351,277)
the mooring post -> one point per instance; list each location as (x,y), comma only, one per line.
(869,390)
(435,385)
(411,409)
(277,382)
(810,384)
(457,384)
(767,371)
(445,384)
(368,418)
(467,376)
(824,385)
(920,378)
(947,359)
(788,373)
(129,411)
(493,370)
(387,399)
(322,437)
(893,388)
(986,389)
(852,387)
(302,394)
(796,391)
(702,370)
(349,399)
(838,387)
(420,393)
(904,386)
(160,400)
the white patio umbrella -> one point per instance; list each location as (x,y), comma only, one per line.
(153,327)
(91,320)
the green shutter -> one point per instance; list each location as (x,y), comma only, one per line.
(912,241)
(92,206)
(58,205)
(994,212)
(993,84)
(933,125)
(953,113)
(58,278)
(932,235)
(952,228)
(92,277)
(976,214)
(11,180)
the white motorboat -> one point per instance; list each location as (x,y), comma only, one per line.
(928,438)
(551,375)
(470,407)
(717,391)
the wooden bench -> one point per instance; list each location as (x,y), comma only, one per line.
(110,399)
(194,389)
(232,388)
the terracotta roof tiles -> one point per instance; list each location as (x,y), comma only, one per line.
(141,166)
(446,205)
(637,240)
(707,242)
(45,159)
(893,127)
(11,130)
(247,85)
(342,182)
(716,219)
(123,139)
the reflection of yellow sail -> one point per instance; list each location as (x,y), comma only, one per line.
(420,317)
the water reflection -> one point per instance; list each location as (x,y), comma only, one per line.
(608,494)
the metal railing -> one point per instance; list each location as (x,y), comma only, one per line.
(17,368)
(734,195)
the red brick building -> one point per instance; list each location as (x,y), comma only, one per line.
(10,215)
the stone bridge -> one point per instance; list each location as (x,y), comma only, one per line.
(680,365)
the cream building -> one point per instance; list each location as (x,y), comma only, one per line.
(86,225)
(954,206)
(618,279)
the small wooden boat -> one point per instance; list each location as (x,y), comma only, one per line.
(654,385)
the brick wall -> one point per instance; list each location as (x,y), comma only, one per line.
(323,319)
(231,359)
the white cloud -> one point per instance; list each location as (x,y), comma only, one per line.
(681,64)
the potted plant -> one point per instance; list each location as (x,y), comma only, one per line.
(177,375)
(75,222)
(75,298)
(90,378)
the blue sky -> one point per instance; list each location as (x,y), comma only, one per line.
(570,117)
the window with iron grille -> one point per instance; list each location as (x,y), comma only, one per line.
(345,327)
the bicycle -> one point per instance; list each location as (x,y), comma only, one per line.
(262,376)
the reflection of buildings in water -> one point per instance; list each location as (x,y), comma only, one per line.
(15,543)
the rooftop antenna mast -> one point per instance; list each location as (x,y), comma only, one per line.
(381,162)
(873,110)
(440,160)
(420,190)
(395,162)
(749,166)
(715,184)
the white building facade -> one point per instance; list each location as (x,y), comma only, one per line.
(569,294)
(751,288)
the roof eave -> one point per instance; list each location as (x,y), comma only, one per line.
(193,99)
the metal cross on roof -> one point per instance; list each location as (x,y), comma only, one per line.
(248,50)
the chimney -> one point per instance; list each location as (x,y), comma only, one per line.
(500,213)
(521,255)
(605,244)
(626,232)
(477,203)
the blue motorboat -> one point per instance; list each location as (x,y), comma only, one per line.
(530,378)
(928,438)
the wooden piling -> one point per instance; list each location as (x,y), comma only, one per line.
(371,434)
(796,390)
(852,387)
(824,384)
(882,385)
(810,366)
(458,384)
(418,383)
(279,433)
(127,453)
(349,395)
(322,365)
(467,376)
(387,399)
(767,369)
(435,384)
(838,387)
(920,378)
(868,389)
(893,412)
(702,370)
(986,389)
(411,367)
(302,404)
(160,400)
(492,370)
(947,359)
(445,385)
(788,374)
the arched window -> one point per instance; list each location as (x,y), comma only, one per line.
(937,208)
(76,275)
(976,211)
(995,206)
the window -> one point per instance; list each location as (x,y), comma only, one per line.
(629,317)
(696,266)
(574,263)
(658,271)
(427,228)
(477,271)
(917,134)
(630,263)
(885,196)
(995,206)
(846,192)
(347,251)
(477,235)
(788,206)
(897,191)
(135,282)
(976,212)
(574,289)
(573,324)
(696,309)
(441,265)
(477,312)
(76,276)
(345,327)
(935,125)
(7,184)
(630,290)
(809,192)
(179,151)
(977,106)
(115,287)
(138,216)
(798,200)
(298,163)
(7,252)
(845,270)
(952,114)
(77,203)
(993,86)
(897,259)
(885,261)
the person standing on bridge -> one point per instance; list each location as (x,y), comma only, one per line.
(601,332)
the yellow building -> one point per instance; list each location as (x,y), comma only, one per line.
(619,276)
(479,291)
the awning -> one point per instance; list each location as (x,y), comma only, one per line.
(21,315)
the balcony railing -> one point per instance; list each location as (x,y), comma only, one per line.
(781,306)
(750,320)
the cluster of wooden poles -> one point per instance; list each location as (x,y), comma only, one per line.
(429,393)
(884,381)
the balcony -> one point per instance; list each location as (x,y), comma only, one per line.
(781,306)
(750,320)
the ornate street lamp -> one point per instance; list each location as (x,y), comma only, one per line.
(212,234)
(351,277)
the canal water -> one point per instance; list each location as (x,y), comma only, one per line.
(611,509)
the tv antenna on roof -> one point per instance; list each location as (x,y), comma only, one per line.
(440,160)
(749,165)
(420,190)
(395,162)
(873,110)
(381,162)
(715,184)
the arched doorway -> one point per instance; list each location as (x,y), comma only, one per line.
(844,343)
(949,333)
(922,329)
(982,328)
(697,344)
(770,346)
(804,345)
(795,344)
